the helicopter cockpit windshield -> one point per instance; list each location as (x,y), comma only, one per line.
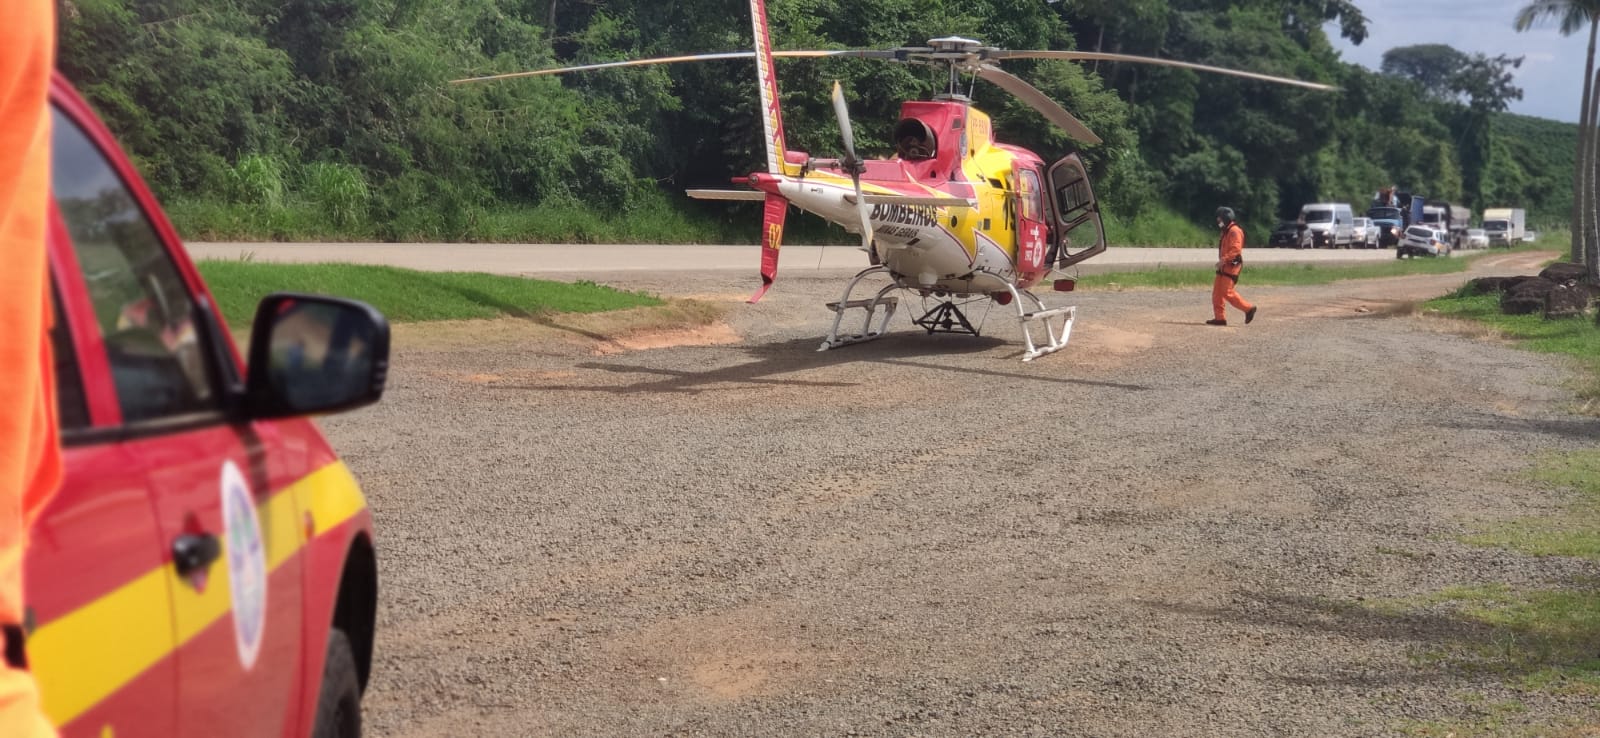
(914,140)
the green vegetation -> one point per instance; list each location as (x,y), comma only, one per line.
(1527,157)
(1576,338)
(335,119)
(1574,533)
(655,220)
(1275,274)
(1487,719)
(1158,226)
(1536,640)
(405,295)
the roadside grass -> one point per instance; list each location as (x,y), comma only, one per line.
(652,221)
(405,295)
(1534,640)
(1574,533)
(1577,337)
(1166,277)
(1485,719)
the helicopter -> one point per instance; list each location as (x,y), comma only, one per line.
(955,215)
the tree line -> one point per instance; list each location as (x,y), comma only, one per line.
(330,118)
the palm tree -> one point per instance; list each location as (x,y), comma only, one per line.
(1572,16)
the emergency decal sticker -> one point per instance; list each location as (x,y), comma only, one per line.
(247,564)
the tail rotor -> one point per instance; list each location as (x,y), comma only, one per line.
(853,163)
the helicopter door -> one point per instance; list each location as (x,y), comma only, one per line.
(1033,234)
(1079,233)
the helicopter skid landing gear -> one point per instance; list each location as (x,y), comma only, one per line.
(871,307)
(1058,336)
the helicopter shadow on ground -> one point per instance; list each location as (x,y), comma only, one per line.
(801,354)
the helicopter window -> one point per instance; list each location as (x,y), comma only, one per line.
(1072,196)
(1028,195)
(914,140)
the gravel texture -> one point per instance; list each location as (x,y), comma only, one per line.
(1165,529)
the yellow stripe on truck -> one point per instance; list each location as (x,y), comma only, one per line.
(331,495)
(85,656)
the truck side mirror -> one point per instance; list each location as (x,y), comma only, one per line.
(314,354)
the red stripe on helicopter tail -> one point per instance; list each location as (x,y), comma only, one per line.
(771,240)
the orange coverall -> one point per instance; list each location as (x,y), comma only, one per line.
(1231,261)
(30,457)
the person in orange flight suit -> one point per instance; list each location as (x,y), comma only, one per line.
(30,456)
(1230,261)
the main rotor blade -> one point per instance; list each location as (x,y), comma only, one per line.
(797,54)
(1101,56)
(1031,95)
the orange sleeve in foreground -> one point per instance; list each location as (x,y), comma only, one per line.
(30,460)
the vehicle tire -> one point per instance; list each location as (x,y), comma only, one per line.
(339,701)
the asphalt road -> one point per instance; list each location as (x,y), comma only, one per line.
(554,259)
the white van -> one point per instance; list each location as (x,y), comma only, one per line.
(1330,224)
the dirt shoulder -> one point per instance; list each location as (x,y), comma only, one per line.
(1166,528)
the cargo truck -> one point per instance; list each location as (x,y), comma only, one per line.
(1390,211)
(1450,219)
(1505,226)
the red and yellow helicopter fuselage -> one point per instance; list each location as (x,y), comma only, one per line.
(969,218)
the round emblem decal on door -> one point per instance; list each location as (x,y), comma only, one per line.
(247,564)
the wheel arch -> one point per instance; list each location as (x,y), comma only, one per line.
(356,610)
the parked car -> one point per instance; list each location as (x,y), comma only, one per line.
(1421,240)
(1477,238)
(1366,233)
(1530,235)
(1331,224)
(207,566)
(1286,235)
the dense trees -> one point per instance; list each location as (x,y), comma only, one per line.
(301,117)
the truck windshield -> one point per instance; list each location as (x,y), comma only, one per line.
(1495,225)
(1319,216)
(1384,213)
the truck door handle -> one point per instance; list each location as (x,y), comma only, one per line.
(194,552)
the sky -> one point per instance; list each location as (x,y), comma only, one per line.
(1551,76)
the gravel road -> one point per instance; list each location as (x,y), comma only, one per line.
(1165,529)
